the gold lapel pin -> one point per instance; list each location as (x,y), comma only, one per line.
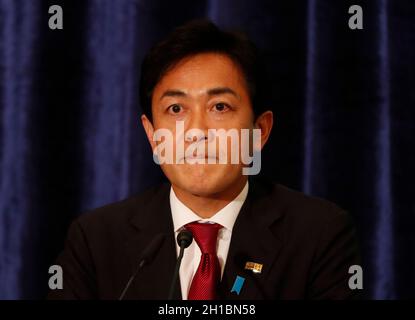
(254,267)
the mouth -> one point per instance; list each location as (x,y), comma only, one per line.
(199,157)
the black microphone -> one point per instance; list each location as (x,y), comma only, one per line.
(184,239)
(146,257)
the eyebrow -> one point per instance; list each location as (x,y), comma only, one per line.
(172,93)
(222,90)
(211,92)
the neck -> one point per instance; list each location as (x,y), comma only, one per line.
(206,206)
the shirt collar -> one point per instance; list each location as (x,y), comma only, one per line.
(226,217)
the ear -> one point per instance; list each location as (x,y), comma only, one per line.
(149,129)
(265,122)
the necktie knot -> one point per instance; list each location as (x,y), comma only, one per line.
(205,235)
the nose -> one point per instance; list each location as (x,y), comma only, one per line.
(198,120)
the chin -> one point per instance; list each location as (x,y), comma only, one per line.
(203,180)
(202,185)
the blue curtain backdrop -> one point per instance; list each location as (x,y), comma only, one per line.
(71,140)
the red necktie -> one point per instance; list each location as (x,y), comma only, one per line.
(207,276)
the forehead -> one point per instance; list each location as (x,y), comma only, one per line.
(203,71)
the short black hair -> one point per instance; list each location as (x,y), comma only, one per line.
(201,36)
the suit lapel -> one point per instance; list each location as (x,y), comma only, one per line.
(253,241)
(153,282)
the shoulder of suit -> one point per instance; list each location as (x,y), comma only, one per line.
(292,204)
(118,213)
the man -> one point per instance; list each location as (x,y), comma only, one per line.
(252,239)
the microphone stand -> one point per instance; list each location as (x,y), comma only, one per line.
(184,239)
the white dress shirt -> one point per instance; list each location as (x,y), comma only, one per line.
(226,217)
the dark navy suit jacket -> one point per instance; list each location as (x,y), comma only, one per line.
(306,246)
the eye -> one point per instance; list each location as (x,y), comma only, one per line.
(175,108)
(221,107)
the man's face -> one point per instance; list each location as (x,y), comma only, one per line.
(205,91)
